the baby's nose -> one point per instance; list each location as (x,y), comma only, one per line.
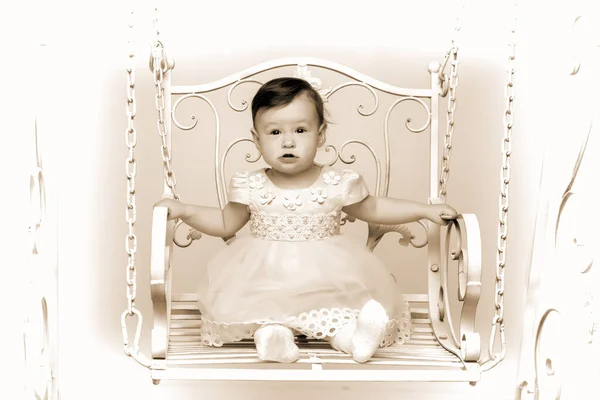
(288,142)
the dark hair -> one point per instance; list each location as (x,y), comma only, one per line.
(280,92)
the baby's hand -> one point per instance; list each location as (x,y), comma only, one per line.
(176,209)
(441,213)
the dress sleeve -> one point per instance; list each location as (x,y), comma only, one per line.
(355,188)
(239,188)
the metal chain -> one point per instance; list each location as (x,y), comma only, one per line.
(498,319)
(452,55)
(155,23)
(130,172)
(130,211)
(159,65)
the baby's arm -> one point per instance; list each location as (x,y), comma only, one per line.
(390,211)
(211,221)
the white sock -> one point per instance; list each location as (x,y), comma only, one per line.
(342,341)
(370,330)
(276,343)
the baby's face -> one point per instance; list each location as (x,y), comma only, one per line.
(288,137)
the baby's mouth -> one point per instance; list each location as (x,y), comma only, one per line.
(288,155)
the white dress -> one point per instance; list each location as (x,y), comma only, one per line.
(296,269)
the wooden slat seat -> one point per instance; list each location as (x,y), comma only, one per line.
(422,358)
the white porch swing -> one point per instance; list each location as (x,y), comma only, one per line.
(434,353)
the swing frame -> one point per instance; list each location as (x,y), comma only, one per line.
(459,358)
(435,353)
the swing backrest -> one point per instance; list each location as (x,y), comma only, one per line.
(388,123)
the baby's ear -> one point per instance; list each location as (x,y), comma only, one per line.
(255,138)
(322,134)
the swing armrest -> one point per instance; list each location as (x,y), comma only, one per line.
(160,280)
(463,246)
(466,251)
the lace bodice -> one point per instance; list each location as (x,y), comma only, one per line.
(312,213)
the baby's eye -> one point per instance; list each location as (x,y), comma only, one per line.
(300,130)
(275,132)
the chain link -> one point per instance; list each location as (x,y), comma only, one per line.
(453,85)
(155,24)
(130,172)
(498,319)
(159,65)
(131,211)
(452,55)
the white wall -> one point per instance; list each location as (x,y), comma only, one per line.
(387,40)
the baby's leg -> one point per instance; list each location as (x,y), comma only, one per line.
(276,343)
(342,341)
(370,330)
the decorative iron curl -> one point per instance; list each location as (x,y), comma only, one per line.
(425,242)
(220,194)
(376,233)
(191,236)
(454,253)
(244,102)
(192,117)
(409,120)
(248,155)
(360,106)
(352,159)
(328,148)
(386,133)
(249,159)
(465,249)
(347,218)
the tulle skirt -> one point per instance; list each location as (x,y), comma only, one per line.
(314,287)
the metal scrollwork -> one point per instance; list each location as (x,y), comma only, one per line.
(192,117)
(218,175)
(455,253)
(191,236)
(463,246)
(425,240)
(360,106)
(347,218)
(244,106)
(386,133)
(352,158)
(466,251)
(376,233)
(334,159)
(248,157)
(303,72)
(409,120)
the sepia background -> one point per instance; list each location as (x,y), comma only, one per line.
(75,85)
